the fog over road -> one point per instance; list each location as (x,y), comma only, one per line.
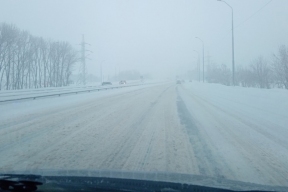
(164,127)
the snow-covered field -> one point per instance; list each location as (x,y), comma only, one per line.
(205,129)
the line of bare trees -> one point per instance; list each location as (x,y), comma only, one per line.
(27,61)
(261,73)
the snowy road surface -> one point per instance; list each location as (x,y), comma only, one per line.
(224,132)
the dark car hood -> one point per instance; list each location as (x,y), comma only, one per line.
(198,180)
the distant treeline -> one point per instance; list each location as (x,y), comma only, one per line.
(261,73)
(27,61)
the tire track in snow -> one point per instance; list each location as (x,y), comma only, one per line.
(40,127)
(152,139)
(163,145)
(205,160)
(41,123)
(117,159)
(26,118)
(247,122)
(90,129)
(256,155)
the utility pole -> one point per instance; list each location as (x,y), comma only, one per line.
(101,73)
(233,60)
(208,65)
(198,65)
(83,59)
(208,58)
(202,55)
(115,74)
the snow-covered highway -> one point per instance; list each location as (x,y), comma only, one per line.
(203,129)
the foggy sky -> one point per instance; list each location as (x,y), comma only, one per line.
(155,36)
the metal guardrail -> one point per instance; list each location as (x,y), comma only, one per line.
(65,93)
(47,89)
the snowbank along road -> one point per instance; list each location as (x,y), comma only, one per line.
(168,127)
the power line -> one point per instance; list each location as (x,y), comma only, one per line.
(254,14)
(248,18)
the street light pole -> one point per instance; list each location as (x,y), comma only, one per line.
(101,74)
(233,61)
(202,54)
(198,65)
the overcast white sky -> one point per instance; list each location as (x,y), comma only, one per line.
(155,36)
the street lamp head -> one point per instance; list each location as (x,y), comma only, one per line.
(200,40)
(226,4)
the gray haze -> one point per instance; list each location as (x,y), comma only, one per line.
(155,36)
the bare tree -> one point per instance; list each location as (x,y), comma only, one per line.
(32,62)
(281,66)
(219,74)
(262,72)
(245,77)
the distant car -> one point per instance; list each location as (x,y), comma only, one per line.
(178,82)
(106,83)
(122,82)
